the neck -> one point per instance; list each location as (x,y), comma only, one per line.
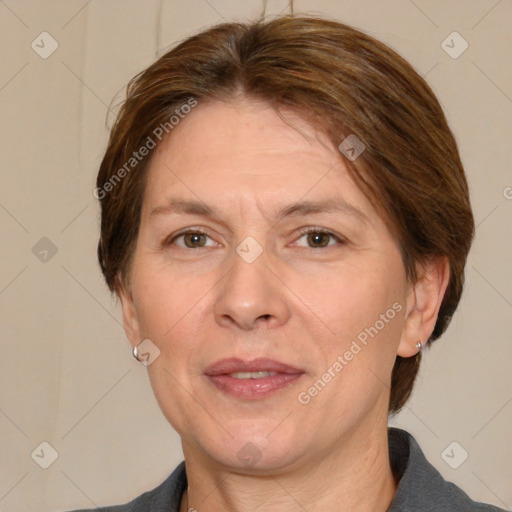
(355,476)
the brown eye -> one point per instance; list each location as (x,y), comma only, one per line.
(316,238)
(192,239)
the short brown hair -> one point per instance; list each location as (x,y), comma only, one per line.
(345,83)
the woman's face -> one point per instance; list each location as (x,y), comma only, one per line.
(285,262)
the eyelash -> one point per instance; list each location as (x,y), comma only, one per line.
(303,231)
(321,231)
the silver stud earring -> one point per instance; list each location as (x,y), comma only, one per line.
(419,345)
(135,352)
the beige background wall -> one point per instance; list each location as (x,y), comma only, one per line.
(67,376)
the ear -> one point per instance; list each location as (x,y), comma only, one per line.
(130,322)
(423,303)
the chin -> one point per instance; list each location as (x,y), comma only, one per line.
(255,457)
(247,446)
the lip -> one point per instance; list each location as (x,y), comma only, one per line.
(252,389)
(261,364)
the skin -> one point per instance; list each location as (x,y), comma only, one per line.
(302,302)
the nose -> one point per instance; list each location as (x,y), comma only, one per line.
(251,296)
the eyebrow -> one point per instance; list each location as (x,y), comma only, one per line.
(329,205)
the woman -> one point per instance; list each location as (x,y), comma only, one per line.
(286,220)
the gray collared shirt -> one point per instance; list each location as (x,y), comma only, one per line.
(421,487)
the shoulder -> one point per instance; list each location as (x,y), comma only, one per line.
(164,498)
(421,486)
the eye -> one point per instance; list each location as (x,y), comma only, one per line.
(190,239)
(317,238)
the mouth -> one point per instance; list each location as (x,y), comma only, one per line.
(252,380)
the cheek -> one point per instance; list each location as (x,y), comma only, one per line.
(166,302)
(174,311)
(362,307)
(356,296)
(170,311)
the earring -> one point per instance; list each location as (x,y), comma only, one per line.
(419,345)
(135,352)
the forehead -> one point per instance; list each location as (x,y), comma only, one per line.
(217,132)
(244,151)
